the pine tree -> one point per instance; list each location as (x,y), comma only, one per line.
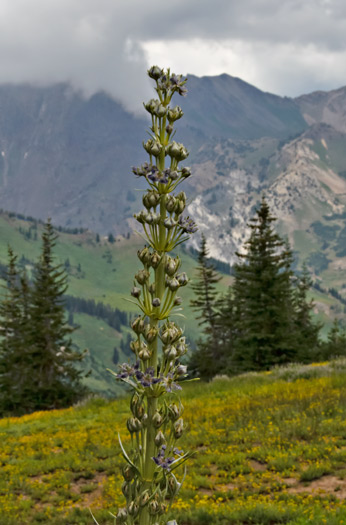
(307,331)
(55,380)
(263,297)
(335,346)
(12,338)
(206,360)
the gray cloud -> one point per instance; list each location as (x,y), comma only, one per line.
(285,46)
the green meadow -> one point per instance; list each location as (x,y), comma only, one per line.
(270,448)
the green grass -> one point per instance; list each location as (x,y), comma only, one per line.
(264,445)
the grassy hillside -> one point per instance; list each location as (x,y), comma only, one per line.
(270,448)
(101,271)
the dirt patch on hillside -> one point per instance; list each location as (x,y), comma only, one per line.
(326,485)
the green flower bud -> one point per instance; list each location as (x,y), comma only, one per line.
(151,199)
(150,333)
(174,412)
(145,420)
(169,223)
(141,217)
(152,105)
(160,111)
(155,260)
(144,255)
(135,346)
(156,148)
(133,509)
(170,332)
(182,196)
(157,419)
(186,172)
(152,289)
(121,517)
(178,428)
(135,292)
(147,145)
(173,486)
(170,352)
(177,151)
(174,114)
(125,489)
(154,507)
(173,285)
(159,439)
(177,301)
(181,346)
(155,72)
(133,425)
(183,279)
(145,354)
(170,203)
(138,325)
(144,498)
(128,472)
(152,218)
(169,129)
(174,175)
(156,302)
(171,266)
(142,276)
(135,404)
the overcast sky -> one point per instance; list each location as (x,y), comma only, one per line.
(287,47)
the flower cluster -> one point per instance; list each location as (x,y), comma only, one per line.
(159,343)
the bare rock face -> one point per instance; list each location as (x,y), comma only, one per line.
(70,158)
(328,107)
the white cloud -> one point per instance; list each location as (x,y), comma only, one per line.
(285,47)
(287,69)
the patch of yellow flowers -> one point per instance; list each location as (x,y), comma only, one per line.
(259,444)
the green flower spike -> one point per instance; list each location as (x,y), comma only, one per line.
(155,422)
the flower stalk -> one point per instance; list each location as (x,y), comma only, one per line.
(156,423)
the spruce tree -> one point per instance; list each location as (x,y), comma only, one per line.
(12,340)
(335,346)
(206,360)
(263,297)
(307,331)
(55,380)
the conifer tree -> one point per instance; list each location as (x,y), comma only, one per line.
(307,331)
(11,339)
(55,380)
(264,312)
(335,346)
(206,359)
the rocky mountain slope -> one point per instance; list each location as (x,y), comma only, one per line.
(70,158)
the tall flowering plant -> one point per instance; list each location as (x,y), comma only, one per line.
(150,483)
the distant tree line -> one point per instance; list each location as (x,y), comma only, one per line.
(264,319)
(112,316)
(29,218)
